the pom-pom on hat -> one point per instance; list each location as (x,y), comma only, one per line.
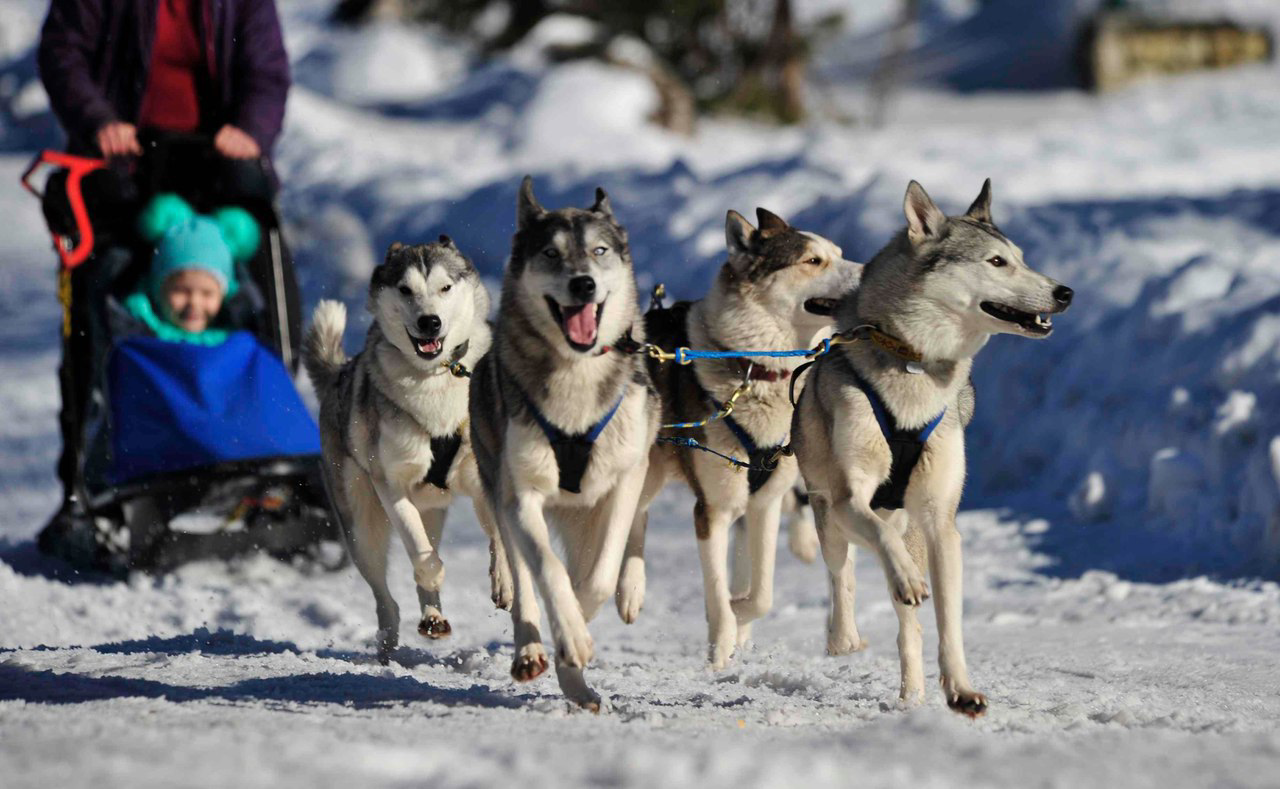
(186,240)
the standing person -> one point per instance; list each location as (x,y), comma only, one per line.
(117,71)
(212,66)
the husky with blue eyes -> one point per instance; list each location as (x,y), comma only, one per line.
(562,419)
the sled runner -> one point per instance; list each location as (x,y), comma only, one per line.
(175,451)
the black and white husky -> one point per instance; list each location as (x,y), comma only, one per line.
(879,429)
(562,420)
(393,422)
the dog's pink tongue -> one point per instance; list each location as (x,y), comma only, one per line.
(580,324)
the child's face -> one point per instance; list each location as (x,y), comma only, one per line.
(191,299)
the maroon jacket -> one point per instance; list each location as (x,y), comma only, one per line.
(94,56)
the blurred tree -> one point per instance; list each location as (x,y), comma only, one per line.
(738,56)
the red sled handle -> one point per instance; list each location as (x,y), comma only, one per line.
(77,167)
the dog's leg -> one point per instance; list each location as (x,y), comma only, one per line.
(631,581)
(433,624)
(763,519)
(910,656)
(530,660)
(838,553)
(532,537)
(854,516)
(938,525)
(369,535)
(501,590)
(712,527)
(740,573)
(607,537)
(802,534)
(428,570)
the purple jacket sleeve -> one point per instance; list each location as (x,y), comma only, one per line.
(259,72)
(67,45)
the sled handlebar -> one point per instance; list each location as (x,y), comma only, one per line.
(72,252)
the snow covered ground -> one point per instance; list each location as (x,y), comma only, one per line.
(1123,515)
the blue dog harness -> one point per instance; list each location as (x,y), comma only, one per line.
(763,460)
(905,448)
(573,452)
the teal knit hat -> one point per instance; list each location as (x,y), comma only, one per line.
(186,240)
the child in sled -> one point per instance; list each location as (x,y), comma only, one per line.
(193,269)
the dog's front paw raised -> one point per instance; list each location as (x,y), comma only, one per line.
(434,626)
(964,700)
(500,590)
(631,587)
(530,663)
(908,585)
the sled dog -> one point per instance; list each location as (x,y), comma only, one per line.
(879,429)
(777,291)
(562,419)
(393,422)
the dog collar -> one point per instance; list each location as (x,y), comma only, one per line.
(625,344)
(454,362)
(891,344)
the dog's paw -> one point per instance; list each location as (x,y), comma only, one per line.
(530,663)
(744,635)
(908,586)
(964,700)
(748,609)
(721,650)
(631,588)
(434,626)
(844,644)
(388,641)
(576,649)
(501,592)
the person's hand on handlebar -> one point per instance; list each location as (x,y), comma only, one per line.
(233,143)
(118,139)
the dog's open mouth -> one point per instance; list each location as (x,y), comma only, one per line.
(1039,324)
(821,306)
(427,349)
(580,323)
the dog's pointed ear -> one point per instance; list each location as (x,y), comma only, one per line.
(770,223)
(602,205)
(981,208)
(446,241)
(924,218)
(528,209)
(738,233)
(392,251)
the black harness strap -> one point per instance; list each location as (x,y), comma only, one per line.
(444,449)
(572,452)
(905,448)
(763,460)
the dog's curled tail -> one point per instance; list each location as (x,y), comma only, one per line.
(322,352)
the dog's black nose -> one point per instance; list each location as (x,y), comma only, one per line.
(582,288)
(1062,294)
(429,325)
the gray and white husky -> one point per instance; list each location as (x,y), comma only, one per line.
(393,422)
(777,291)
(562,420)
(933,297)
